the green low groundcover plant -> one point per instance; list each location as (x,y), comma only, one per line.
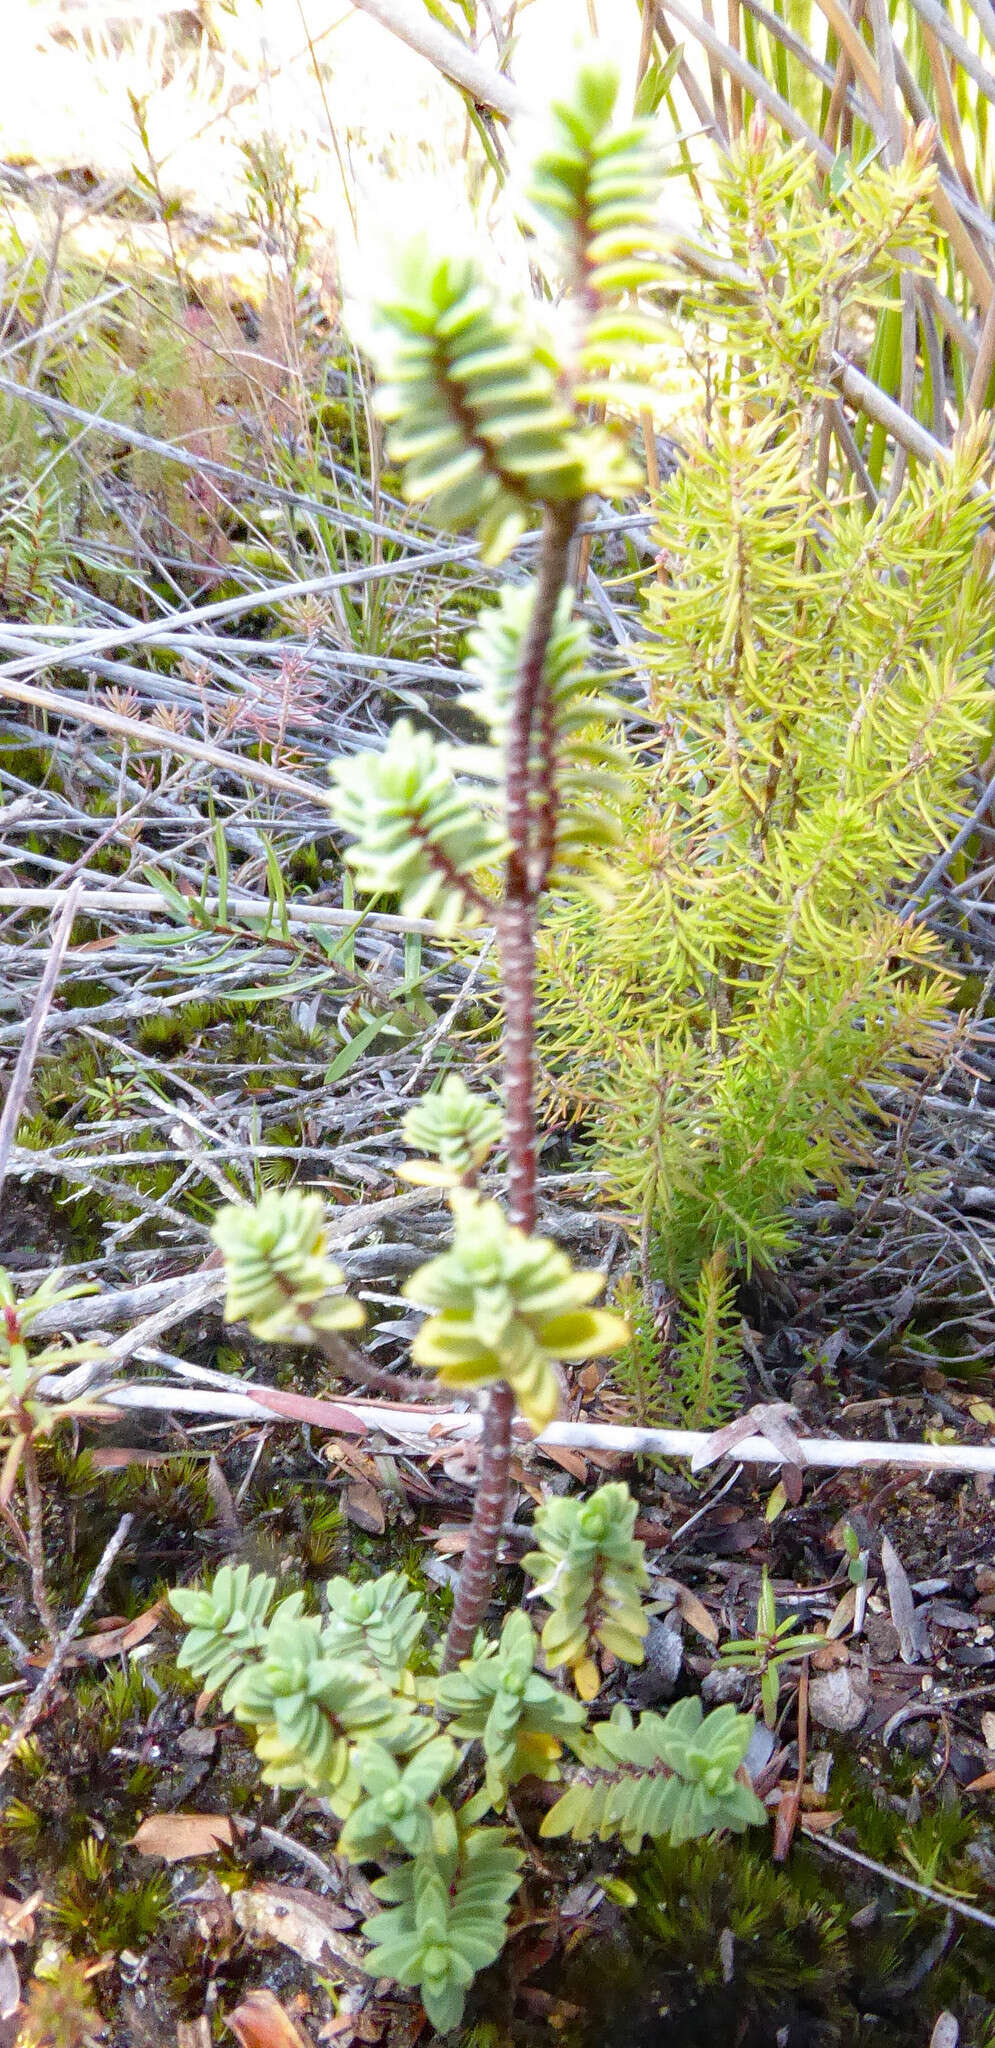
(416,1751)
(417,1765)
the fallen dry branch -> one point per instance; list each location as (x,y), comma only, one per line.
(37,1701)
(423,1428)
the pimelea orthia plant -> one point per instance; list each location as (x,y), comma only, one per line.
(415,1752)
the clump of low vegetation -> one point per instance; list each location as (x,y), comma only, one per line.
(470,791)
(818,688)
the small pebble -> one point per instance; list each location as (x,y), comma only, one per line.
(724,1682)
(656,1679)
(839,1699)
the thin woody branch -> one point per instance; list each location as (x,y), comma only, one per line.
(516,930)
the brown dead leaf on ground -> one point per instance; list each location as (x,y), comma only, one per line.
(400,2026)
(178,1836)
(116,1642)
(260,2022)
(986,1783)
(364,1507)
(785,1822)
(770,1419)
(695,1613)
(909,1620)
(819,1822)
(302,1921)
(120,1457)
(569,1461)
(831,1654)
(17,1917)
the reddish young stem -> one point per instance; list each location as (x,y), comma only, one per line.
(530,772)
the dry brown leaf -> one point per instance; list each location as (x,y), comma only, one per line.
(10,1983)
(17,1917)
(986,1783)
(571,1461)
(177,1836)
(785,1823)
(116,1642)
(696,1614)
(364,1506)
(118,1457)
(300,1920)
(842,1615)
(817,1823)
(260,2022)
(349,2027)
(406,2025)
(910,1620)
(323,1414)
(223,1502)
(831,1654)
(770,1419)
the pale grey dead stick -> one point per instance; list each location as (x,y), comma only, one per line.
(986,15)
(954,1905)
(225,608)
(921,894)
(414,26)
(61,1649)
(937,18)
(125,899)
(21,1077)
(428,1427)
(249,484)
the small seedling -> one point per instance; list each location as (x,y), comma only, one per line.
(776,1644)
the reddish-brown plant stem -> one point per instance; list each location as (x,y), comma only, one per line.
(530,772)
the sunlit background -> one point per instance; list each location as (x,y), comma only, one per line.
(178,103)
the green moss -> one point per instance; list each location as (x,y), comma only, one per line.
(169,1032)
(101,1907)
(788,1930)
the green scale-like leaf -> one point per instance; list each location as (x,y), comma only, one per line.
(446,1919)
(458,1127)
(591,1573)
(675,1775)
(419,834)
(377,1623)
(278,1272)
(508,1306)
(593,189)
(397,1810)
(519,1716)
(476,412)
(308,1707)
(226,1626)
